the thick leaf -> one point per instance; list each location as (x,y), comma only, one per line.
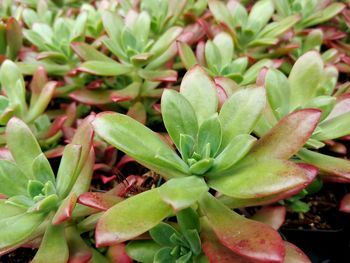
(87,52)
(260,179)
(158,75)
(162,233)
(240,113)
(8,210)
(273,216)
(79,251)
(294,254)
(278,92)
(295,128)
(336,169)
(304,78)
(100,97)
(217,252)
(53,247)
(14,37)
(131,218)
(165,40)
(19,227)
(260,14)
(188,219)
(42,170)
(42,102)
(13,181)
(186,54)
(67,169)
(177,193)
(104,68)
(178,115)
(20,139)
(310,173)
(142,250)
(333,128)
(200,91)
(345,204)
(118,253)
(248,238)
(209,133)
(100,201)
(140,143)
(234,152)
(65,210)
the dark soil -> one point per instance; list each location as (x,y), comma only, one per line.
(20,255)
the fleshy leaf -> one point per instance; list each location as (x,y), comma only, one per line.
(131,218)
(162,233)
(248,238)
(13,181)
(240,113)
(42,170)
(104,68)
(273,216)
(200,91)
(305,77)
(260,179)
(140,143)
(296,128)
(142,250)
(21,139)
(179,116)
(178,195)
(294,254)
(334,128)
(100,201)
(345,204)
(53,247)
(186,54)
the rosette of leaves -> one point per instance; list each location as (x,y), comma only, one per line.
(52,39)
(251,31)
(10,38)
(218,152)
(178,243)
(312,12)
(13,102)
(36,205)
(310,85)
(218,57)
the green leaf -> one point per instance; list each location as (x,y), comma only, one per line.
(67,169)
(194,240)
(104,68)
(42,169)
(213,56)
(140,143)
(251,74)
(224,43)
(163,255)
(9,210)
(53,247)
(13,181)
(14,37)
(234,152)
(23,145)
(200,91)
(209,132)
(305,78)
(12,82)
(178,115)
(333,128)
(278,92)
(113,24)
(186,54)
(87,52)
(324,103)
(18,228)
(260,179)
(240,113)
(34,188)
(161,234)
(260,14)
(142,250)
(131,218)
(188,219)
(165,40)
(186,146)
(177,193)
(202,166)
(295,128)
(275,29)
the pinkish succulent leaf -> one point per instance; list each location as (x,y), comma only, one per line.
(97,97)
(273,216)
(260,179)
(138,112)
(296,128)
(117,254)
(65,210)
(79,251)
(187,56)
(131,218)
(100,201)
(247,238)
(345,204)
(158,75)
(294,254)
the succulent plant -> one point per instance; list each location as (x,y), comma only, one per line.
(10,38)
(41,203)
(217,152)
